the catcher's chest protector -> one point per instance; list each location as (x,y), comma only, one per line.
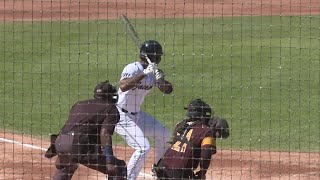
(185,148)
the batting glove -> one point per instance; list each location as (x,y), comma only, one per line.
(150,69)
(159,76)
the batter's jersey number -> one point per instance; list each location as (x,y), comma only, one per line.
(179,146)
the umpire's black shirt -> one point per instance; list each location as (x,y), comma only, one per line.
(87,118)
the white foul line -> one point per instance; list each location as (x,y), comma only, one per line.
(43,149)
(23,144)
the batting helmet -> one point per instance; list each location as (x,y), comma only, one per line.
(105,90)
(198,109)
(152,49)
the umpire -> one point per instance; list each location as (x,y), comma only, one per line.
(193,144)
(86,137)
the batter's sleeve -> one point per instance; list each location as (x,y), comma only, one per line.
(127,72)
(111,119)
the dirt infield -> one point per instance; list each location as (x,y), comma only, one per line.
(53,10)
(26,161)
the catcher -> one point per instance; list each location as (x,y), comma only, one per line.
(86,137)
(193,144)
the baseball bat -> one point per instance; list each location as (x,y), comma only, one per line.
(133,34)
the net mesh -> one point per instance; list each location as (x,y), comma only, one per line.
(256,63)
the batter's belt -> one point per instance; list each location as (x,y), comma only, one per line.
(126,111)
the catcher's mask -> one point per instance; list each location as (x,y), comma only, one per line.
(152,49)
(106,91)
(198,109)
(220,127)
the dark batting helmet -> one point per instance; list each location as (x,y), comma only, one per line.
(198,109)
(105,90)
(152,49)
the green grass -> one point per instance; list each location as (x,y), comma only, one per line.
(261,73)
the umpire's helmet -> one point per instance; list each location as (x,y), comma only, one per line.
(198,109)
(152,49)
(105,90)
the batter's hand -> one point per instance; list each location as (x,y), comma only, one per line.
(159,76)
(150,69)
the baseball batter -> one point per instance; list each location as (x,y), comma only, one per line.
(136,126)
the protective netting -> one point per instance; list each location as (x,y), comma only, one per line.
(256,63)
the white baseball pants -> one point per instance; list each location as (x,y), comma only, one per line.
(135,130)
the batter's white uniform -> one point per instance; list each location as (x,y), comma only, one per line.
(136,128)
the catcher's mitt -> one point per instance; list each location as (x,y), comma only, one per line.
(120,172)
(220,127)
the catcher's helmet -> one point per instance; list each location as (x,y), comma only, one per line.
(198,109)
(106,91)
(152,49)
